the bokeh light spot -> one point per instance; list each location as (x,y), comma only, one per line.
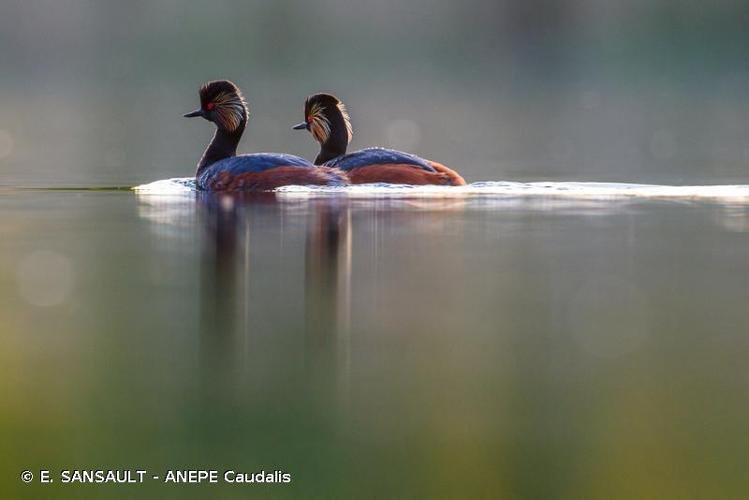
(610,317)
(403,134)
(6,144)
(45,278)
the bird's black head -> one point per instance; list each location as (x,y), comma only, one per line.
(222,102)
(327,120)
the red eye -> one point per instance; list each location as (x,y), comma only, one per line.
(210,106)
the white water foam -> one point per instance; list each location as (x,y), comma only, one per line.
(176,185)
(556,190)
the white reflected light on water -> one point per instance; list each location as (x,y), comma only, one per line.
(738,193)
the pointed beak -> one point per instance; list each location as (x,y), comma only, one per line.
(192,114)
(300,126)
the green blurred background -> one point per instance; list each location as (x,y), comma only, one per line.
(640,90)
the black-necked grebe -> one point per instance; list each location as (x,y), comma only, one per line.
(328,121)
(220,169)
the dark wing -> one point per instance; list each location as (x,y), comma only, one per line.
(258,162)
(251,163)
(378,156)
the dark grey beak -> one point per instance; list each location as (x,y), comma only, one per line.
(192,114)
(300,126)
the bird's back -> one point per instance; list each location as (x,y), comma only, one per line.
(378,156)
(257,162)
(264,171)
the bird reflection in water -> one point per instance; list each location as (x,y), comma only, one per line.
(224,263)
(327,297)
(227,325)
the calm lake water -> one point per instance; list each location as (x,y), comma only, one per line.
(407,347)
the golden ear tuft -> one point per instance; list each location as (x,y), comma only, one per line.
(346,120)
(319,124)
(230,110)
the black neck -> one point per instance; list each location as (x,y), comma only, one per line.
(337,143)
(329,151)
(223,145)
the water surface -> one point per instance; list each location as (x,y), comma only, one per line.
(392,346)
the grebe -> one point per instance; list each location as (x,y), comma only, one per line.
(328,121)
(220,169)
